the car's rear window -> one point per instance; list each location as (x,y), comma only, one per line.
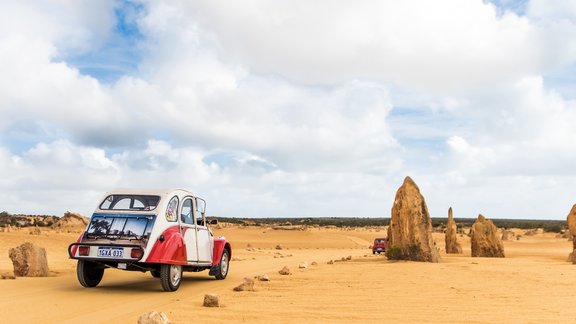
(130,202)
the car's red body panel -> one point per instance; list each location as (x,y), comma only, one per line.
(219,245)
(172,250)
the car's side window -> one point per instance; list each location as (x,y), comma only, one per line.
(186,216)
(172,210)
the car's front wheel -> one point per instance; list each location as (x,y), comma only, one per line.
(170,276)
(89,273)
(223,266)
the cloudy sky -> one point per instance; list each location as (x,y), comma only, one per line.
(291,107)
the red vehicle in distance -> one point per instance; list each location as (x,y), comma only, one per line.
(380,245)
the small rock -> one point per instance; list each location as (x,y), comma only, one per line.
(211,300)
(279,247)
(349,258)
(343,259)
(7,275)
(153,318)
(247,285)
(263,277)
(314,263)
(285,271)
(303,265)
(237,259)
(330,262)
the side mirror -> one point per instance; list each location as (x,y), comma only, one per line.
(213,222)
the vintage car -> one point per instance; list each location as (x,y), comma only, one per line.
(161,231)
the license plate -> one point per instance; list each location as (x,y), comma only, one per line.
(110,252)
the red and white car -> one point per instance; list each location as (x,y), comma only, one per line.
(161,231)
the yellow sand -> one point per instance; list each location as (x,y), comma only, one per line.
(533,284)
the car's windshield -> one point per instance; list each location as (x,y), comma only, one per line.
(130,202)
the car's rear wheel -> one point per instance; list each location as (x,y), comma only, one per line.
(223,266)
(170,276)
(89,273)
(155,273)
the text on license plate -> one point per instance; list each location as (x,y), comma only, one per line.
(110,252)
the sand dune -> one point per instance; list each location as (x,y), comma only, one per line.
(532,284)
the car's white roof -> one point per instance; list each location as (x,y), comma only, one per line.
(141,191)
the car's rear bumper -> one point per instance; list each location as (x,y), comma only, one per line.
(73,252)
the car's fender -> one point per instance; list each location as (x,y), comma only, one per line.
(169,248)
(75,247)
(219,245)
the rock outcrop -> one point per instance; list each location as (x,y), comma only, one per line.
(153,318)
(508,235)
(410,230)
(71,221)
(29,260)
(571,220)
(452,245)
(35,231)
(485,239)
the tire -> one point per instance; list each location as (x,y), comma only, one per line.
(89,273)
(223,266)
(155,273)
(170,276)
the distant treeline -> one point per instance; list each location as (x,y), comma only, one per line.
(26,220)
(548,225)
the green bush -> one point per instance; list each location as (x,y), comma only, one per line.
(394,253)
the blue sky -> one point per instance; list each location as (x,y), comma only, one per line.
(290,108)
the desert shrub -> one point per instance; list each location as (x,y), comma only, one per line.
(394,253)
(554,228)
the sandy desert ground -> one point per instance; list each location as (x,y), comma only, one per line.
(533,284)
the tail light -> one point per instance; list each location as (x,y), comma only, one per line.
(83,250)
(136,253)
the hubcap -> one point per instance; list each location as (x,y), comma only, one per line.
(175,274)
(224,263)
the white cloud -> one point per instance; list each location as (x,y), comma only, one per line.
(292,108)
(432,45)
(69,25)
